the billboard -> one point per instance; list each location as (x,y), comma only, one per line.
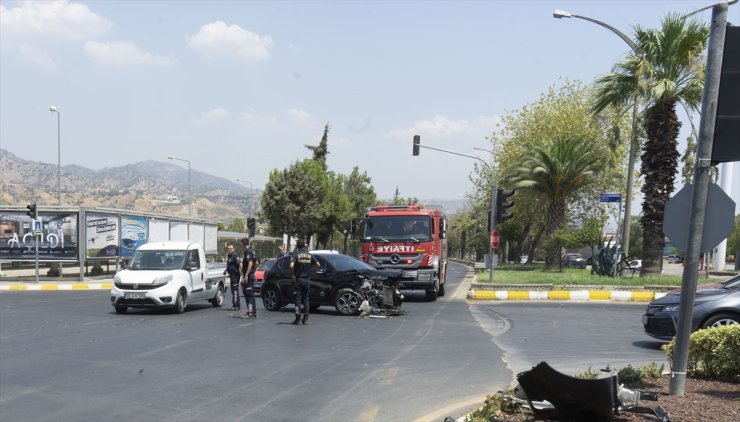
(159,230)
(58,240)
(133,234)
(102,236)
(179,231)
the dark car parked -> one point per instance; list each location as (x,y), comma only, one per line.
(575,260)
(714,305)
(337,283)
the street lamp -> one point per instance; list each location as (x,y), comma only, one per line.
(634,147)
(251,191)
(417,144)
(53,109)
(190,195)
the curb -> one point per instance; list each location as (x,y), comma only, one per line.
(49,287)
(579,295)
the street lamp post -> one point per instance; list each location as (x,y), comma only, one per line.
(493,197)
(53,109)
(251,191)
(190,194)
(634,147)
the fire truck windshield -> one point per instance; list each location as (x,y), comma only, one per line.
(392,228)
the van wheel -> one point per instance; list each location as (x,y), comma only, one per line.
(180,303)
(218,299)
(121,309)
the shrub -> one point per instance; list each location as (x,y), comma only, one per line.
(713,352)
(631,374)
(494,407)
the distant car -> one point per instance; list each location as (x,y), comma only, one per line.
(337,283)
(674,259)
(714,305)
(259,273)
(575,260)
(524,259)
(636,265)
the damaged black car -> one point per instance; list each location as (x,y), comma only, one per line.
(342,281)
(714,305)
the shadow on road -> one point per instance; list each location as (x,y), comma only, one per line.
(649,344)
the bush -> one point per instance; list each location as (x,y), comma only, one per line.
(631,374)
(495,407)
(713,352)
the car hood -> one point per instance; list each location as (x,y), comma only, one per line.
(705,293)
(142,276)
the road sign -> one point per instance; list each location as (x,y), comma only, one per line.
(610,197)
(38,227)
(494,239)
(718,217)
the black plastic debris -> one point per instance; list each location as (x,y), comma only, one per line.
(573,399)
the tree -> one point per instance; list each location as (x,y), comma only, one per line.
(562,112)
(556,171)
(292,200)
(322,150)
(669,72)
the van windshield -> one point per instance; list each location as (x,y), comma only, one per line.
(157,260)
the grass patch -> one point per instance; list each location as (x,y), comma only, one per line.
(535,274)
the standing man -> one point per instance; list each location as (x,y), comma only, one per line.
(232,269)
(301,263)
(248,269)
(281,251)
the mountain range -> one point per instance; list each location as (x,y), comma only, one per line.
(146,186)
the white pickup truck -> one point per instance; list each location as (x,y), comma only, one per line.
(168,274)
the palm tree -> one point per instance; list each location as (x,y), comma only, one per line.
(554,171)
(669,71)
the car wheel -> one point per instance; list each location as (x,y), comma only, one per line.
(271,298)
(121,309)
(218,300)
(180,303)
(347,302)
(720,320)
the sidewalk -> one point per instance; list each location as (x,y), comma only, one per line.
(17,286)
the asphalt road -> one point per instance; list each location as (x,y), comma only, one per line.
(66,356)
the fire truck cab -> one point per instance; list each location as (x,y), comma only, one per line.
(409,238)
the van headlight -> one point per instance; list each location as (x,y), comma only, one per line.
(162,280)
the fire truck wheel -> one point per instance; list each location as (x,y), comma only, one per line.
(431,295)
(441,290)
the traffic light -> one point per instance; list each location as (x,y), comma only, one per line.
(251,226)
(417,145)
(502,205)
(32,212)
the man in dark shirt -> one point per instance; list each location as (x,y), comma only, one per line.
(301,263)
(248,268)
(232,269)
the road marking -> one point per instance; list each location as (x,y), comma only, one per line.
(389,376)
(448,410)
(369,414)
(162,349)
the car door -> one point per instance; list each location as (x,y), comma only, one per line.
(322,281)
(279,274)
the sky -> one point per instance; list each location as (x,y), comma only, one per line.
(239,87)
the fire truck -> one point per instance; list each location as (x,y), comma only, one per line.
(409,238)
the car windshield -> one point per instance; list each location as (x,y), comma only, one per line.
(157,260)
(390,228)
(265,265)
(345,263)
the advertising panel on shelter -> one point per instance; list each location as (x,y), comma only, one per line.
(196,233)
(159,230)
(102,236)
(133,234)
(58,240)
(211,239)
(179,231)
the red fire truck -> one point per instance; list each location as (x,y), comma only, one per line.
(410,238)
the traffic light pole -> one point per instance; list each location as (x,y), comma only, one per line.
(492,252)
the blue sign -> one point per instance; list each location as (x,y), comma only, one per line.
(611,197)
